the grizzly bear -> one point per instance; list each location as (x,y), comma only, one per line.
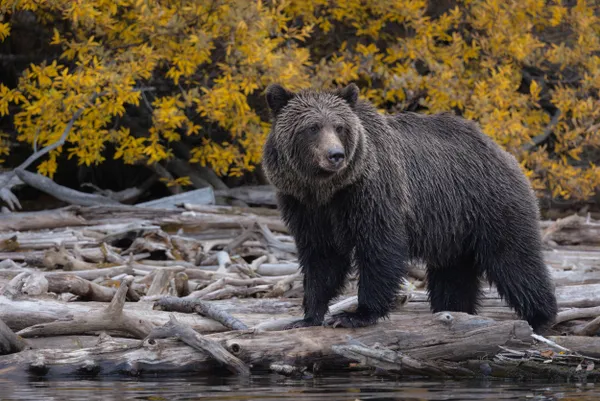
(358,188)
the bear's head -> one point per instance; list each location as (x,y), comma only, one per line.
(314,137)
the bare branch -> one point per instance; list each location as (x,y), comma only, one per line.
(539,139)
(65,194)
(186,334)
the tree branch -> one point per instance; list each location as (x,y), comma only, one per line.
(539,139)
(65,194)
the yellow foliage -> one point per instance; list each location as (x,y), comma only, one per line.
(181,181)
(4,31)
(200,69)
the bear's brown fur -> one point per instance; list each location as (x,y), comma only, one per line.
(356,187)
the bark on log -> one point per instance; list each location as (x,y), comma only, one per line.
(572,230)
(111,318)
(258,195)
(210,217)
(86,290)
(22,313)
(580,231)
(582,344)
(204,196)
(40,220)
(577,313)
(186,334)
(65,194)
(9,341)
(201,308)
(509,366)
(449,337)
(96,273)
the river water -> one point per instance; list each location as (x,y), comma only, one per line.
(275,387)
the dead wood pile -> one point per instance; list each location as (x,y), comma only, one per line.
(132,290)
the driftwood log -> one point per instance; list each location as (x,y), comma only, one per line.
(190,288)
(440,345)
(454,337)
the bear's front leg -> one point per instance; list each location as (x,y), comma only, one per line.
(325,271)
(324,265)
(381,261)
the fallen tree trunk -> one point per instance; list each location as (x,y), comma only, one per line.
(210,217)
(9,341)
(444,336)
(571,230)
(19,314)
(259,195)
(65,194)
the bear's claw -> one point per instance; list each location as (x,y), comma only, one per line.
(301,323)
(350,320)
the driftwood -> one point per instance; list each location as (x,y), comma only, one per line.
(112,318)
(258,195)
(65,194)
(572,230)
(8,181)
(186,334)
(419,336)
(199,218)
(204,196)
(441,345)
(201,308)
(9,342)
(225,281)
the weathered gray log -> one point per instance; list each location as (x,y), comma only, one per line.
(442,336)
(15,285)
(42,240)
(60,258)
(86,290)
(160,283)
(210,217)
(503,366)
(578,296)
(202,196)
(9,342)
(572,230)
(95,273)
(590,329)
(22,313)
(258,194)
(202,308)
(582,344)
(111,318)
(9,181)
(173,328)
(181,284)
(40,220)
(577,313)
(65,194)
(398,362)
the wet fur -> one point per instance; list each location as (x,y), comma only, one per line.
(416,187)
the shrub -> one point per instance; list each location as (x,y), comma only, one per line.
(194,73)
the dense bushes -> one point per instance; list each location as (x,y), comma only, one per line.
(147,74)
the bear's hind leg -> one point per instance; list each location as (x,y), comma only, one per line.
(522,279)
(454,286)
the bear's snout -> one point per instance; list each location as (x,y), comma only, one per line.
(336,156)
(330,151)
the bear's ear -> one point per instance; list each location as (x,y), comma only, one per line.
(349,94)
(277,98)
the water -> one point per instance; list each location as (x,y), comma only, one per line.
(275,387)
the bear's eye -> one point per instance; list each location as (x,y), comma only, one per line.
(339,129)
(313,129)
